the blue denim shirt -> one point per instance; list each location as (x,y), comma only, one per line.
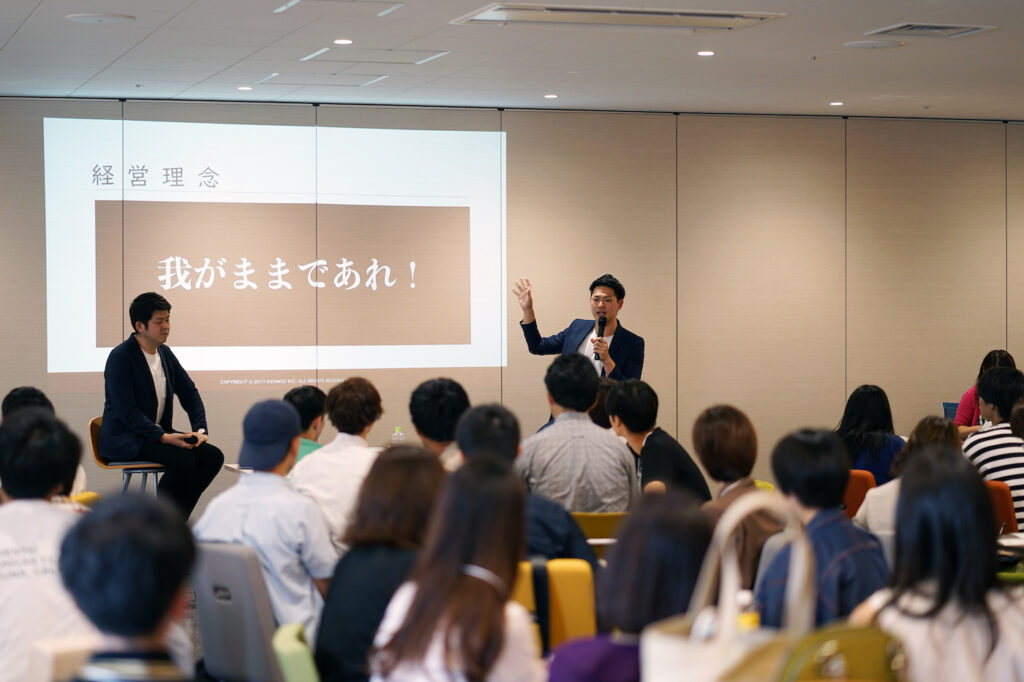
(849,565)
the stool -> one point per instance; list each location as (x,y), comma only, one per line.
(128,467)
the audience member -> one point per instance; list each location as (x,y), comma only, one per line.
(812,470)
(384,536)
(995,452)
(726,444)
(878,511)
(285,528)
(38,457)
(867,433)
(575,462)
(551,532)
(453,619)
(310,403)
(598,413)
(29,396)
(944,604)
(651,573)
(332,475)
(126,563)
(140,380)
(968,414)
(661,462)
(435,407)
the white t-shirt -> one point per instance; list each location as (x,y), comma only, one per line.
(587,348)
(156,368)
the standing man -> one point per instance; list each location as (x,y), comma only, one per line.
(141,378)
(619,353)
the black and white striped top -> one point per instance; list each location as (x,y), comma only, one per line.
(999,456)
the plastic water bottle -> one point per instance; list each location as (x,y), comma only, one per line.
(397,438)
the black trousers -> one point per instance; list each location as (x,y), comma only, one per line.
(189,471)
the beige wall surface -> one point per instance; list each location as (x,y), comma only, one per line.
(1015,241)
(761,272)
(926,258)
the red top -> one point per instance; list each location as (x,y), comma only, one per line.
(967,412)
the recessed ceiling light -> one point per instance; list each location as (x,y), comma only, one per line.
(245,88)
(314,54)
(88,18)
(873,44)
(342,41)
(551,96)
(705,53)
(835,104)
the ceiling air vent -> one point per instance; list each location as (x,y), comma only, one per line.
(913,30)
(693,20)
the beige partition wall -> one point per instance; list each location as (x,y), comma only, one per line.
(761,271)
(926,262)
(1015,241)
(590,193)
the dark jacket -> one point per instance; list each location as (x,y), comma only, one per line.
(626,348)
(129,408)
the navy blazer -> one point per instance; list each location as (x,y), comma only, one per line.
(129,408)
(626,348)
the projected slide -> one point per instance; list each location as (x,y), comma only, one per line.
(279,247)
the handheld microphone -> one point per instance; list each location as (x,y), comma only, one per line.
(601,322)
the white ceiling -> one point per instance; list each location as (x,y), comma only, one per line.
(205,49)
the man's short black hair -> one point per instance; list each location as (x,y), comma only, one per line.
(812,464)
(635,403)
(488,430)
(38,453)
(572,382)
(310,402)
(24,396)
(144,305)
(1001,386)
(435,407)
(125,561)
(610,282)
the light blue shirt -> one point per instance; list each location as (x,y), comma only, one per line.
(289,534)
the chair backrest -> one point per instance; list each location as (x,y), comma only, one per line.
(949,410)
(764,485)
(94,438)
(571,613)
(236,621)
(599,524)
(860,483)
(1002,505)
(294,655)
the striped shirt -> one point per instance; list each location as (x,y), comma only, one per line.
(999,456)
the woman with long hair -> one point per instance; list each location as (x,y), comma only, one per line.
(867,433)
(453,619)
(384,535)
(968,414)
(944,604)
(878,511)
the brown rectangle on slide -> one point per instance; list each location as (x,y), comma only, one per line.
(197,254)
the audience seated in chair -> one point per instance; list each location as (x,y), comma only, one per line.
(726,444)
(662,463)
(38,459)
(126,563)
(996,452)
(332,475)
(944,604)
(453,619)
(310,402)
(968,414)
(867,432)
(573,461)
(29,396)
(878,511)
(285,528)
(812,470)
(435,407)
(551,532)
(651,572)
(384,536)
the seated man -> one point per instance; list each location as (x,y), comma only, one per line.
(995,452)
(812,469)
(140,380)
(29,396)
(38,458)
(662,462)
(126,564)
(285,528)
(310,402)
(333,474)
(573,461)
(435,407)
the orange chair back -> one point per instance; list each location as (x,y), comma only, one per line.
(1002,504)
(860,483)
